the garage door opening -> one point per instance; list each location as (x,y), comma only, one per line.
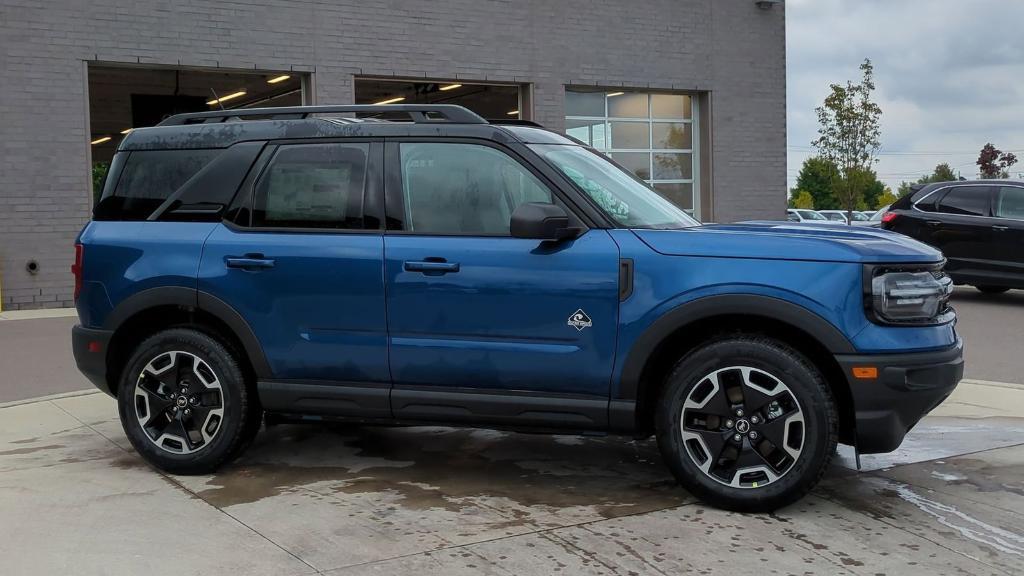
(495,102)
(123,98)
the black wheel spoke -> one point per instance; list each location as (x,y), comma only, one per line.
(157,395)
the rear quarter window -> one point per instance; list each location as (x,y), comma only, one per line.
(148,178)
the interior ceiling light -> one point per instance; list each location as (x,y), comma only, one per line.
(389,101)
(277,79)
(100,140)
(616,94)
(231,96)
(450,87)
(513,113)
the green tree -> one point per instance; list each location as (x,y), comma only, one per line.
(817,177)
(885,199)
(801,199)
(870,186)
(99,174)
(942,173)
(849,135)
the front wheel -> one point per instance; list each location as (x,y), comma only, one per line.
(747,423)
(184,403)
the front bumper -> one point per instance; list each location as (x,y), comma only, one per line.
(908,386)
(90,349)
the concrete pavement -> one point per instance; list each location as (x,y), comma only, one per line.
(75,499)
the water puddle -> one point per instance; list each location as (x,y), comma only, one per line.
(964,524)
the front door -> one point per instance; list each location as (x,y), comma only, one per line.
(303,266)
(485,327)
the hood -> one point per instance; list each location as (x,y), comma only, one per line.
(787,241)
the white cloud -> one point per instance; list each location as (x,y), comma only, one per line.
(949,76)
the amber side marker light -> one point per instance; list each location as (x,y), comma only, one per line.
(865,372)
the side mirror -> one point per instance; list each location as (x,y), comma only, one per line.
(541,221)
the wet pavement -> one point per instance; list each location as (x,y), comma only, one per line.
(75,499)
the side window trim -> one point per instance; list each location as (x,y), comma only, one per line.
(394,194)
(239,216)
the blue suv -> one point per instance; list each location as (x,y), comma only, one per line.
(417,264)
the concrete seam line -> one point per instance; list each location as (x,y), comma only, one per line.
(62,395)
(538,532)
(993,384)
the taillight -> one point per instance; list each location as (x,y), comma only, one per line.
(76,268)
(889,217)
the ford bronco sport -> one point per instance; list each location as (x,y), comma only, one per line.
(417,264)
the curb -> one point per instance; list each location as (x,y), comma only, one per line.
(62,395)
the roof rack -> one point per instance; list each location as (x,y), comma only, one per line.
(419,113)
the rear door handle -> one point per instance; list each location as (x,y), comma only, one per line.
(431,266)
(1000,228)
(249,262)
(932,223)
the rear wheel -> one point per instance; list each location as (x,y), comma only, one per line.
(992,289)
(747,424)
(184,403)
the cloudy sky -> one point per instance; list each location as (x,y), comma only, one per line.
(949,76)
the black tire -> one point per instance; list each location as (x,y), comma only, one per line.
(236,424)
(806,386)
(992,289)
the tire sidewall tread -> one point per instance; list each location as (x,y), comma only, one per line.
(241,418)
(804,381)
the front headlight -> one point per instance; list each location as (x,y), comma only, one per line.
(904,296)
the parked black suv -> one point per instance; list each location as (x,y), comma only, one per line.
(978,225)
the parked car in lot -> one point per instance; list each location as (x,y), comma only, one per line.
(978,225)
(840,216)
(445,270)
(803,215)
(876,218)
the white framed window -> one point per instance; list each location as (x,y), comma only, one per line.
(652,134)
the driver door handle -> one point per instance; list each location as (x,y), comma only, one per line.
(932,223)
(1000,228)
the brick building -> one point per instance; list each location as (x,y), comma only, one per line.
(690,94)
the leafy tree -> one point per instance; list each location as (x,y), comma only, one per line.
(994,163)
(801,199)
(870,186)
(885,199)
(99,173)
(942,173)
(849,135)
(817,177)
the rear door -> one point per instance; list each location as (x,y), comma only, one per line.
(962,228)
(1008,232)
(301,261)
(485,327)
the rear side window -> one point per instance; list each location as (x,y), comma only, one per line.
(1010,202)
(149,177)
(966,200)
(313,186)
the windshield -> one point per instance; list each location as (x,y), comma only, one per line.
(858,217)
(626,199)
(877,216)
(811,215)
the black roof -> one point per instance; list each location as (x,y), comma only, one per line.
(220,129)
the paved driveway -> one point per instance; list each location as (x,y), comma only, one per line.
(75,499)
